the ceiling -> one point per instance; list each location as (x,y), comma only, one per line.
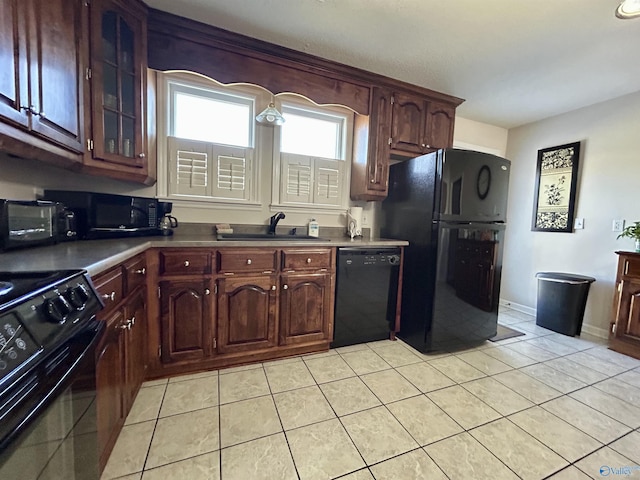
(514,61)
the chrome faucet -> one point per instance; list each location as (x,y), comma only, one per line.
(273,222)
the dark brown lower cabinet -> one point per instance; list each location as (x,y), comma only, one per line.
(110,385)
(624,336)
(135,345)
(186,320)
(305,305)
(246,313)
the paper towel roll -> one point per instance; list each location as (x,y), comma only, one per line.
(355,215)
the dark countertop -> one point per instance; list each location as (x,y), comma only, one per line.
(96,256)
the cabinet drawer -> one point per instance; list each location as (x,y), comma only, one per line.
(185,262)
(135,272)
(110,288)
(631,267)
(306,259)
(247,260)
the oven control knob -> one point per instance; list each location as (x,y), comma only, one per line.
(77,296)
(58,308)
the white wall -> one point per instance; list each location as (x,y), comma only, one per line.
(607,189)
(481,137)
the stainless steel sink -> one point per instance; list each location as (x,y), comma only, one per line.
(261,237)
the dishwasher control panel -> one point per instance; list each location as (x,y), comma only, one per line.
(369,257)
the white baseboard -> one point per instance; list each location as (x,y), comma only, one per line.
(516,306)
(595,331)
(586,328)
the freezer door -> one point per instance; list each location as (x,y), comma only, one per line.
(474,187)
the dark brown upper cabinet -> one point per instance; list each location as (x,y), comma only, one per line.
(117,135)
(419,125)
(42,57)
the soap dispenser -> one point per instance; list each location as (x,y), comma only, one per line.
(314,228)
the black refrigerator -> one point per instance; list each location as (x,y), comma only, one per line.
(451,206)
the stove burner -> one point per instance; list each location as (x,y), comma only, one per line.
(5,287)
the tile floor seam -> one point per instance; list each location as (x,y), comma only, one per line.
(619,368)
(597,409)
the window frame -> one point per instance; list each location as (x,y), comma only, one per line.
(164,128)
(298,103)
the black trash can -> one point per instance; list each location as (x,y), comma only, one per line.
(562,298)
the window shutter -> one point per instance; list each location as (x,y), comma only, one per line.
(232,168)
(328,179)
(296,178)
(189,162)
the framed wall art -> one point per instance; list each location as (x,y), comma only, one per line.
(555,192)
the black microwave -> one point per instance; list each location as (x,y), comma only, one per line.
(104,215)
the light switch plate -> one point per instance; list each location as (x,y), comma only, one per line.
(618,225)
(578,224)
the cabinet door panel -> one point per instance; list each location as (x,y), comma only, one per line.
(56,91)
(246,313)
(440,120)
(378,158)
(135,359)
(305,308)
(13,63)
(118,84)
(186,320)
(109,385)
(407,124)
(628,315)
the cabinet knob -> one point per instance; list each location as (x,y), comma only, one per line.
(428,146)
(285,287)
(132,321)
(373,180)
(142,271)
(141,155)
(248,261)
(308,260)
(109,296)
(423,145)
(273,287)
(186,263)
(207,291)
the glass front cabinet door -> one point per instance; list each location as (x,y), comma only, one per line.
(118,80)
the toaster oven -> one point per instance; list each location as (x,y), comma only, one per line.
(27,223)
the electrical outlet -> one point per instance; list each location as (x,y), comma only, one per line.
(364,219)
(618,225)
(578,224)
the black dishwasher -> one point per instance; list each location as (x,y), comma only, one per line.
(366,294)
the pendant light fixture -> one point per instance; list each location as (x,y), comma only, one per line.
(628,9)
(270,116)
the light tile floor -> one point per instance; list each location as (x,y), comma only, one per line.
(537,406)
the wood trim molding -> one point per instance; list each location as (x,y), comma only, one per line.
(177,43)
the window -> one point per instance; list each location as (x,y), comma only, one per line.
(210,116)
(312,149)
(210,137)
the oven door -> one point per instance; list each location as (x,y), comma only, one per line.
(48,416)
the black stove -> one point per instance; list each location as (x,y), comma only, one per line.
(49,337)
(39,311)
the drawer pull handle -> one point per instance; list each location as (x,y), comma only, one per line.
(142,271)
(285,287)
(207,291)
(308,260)
(109,296)
(248,261)
(273,287)
(186,263)
(141,155)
